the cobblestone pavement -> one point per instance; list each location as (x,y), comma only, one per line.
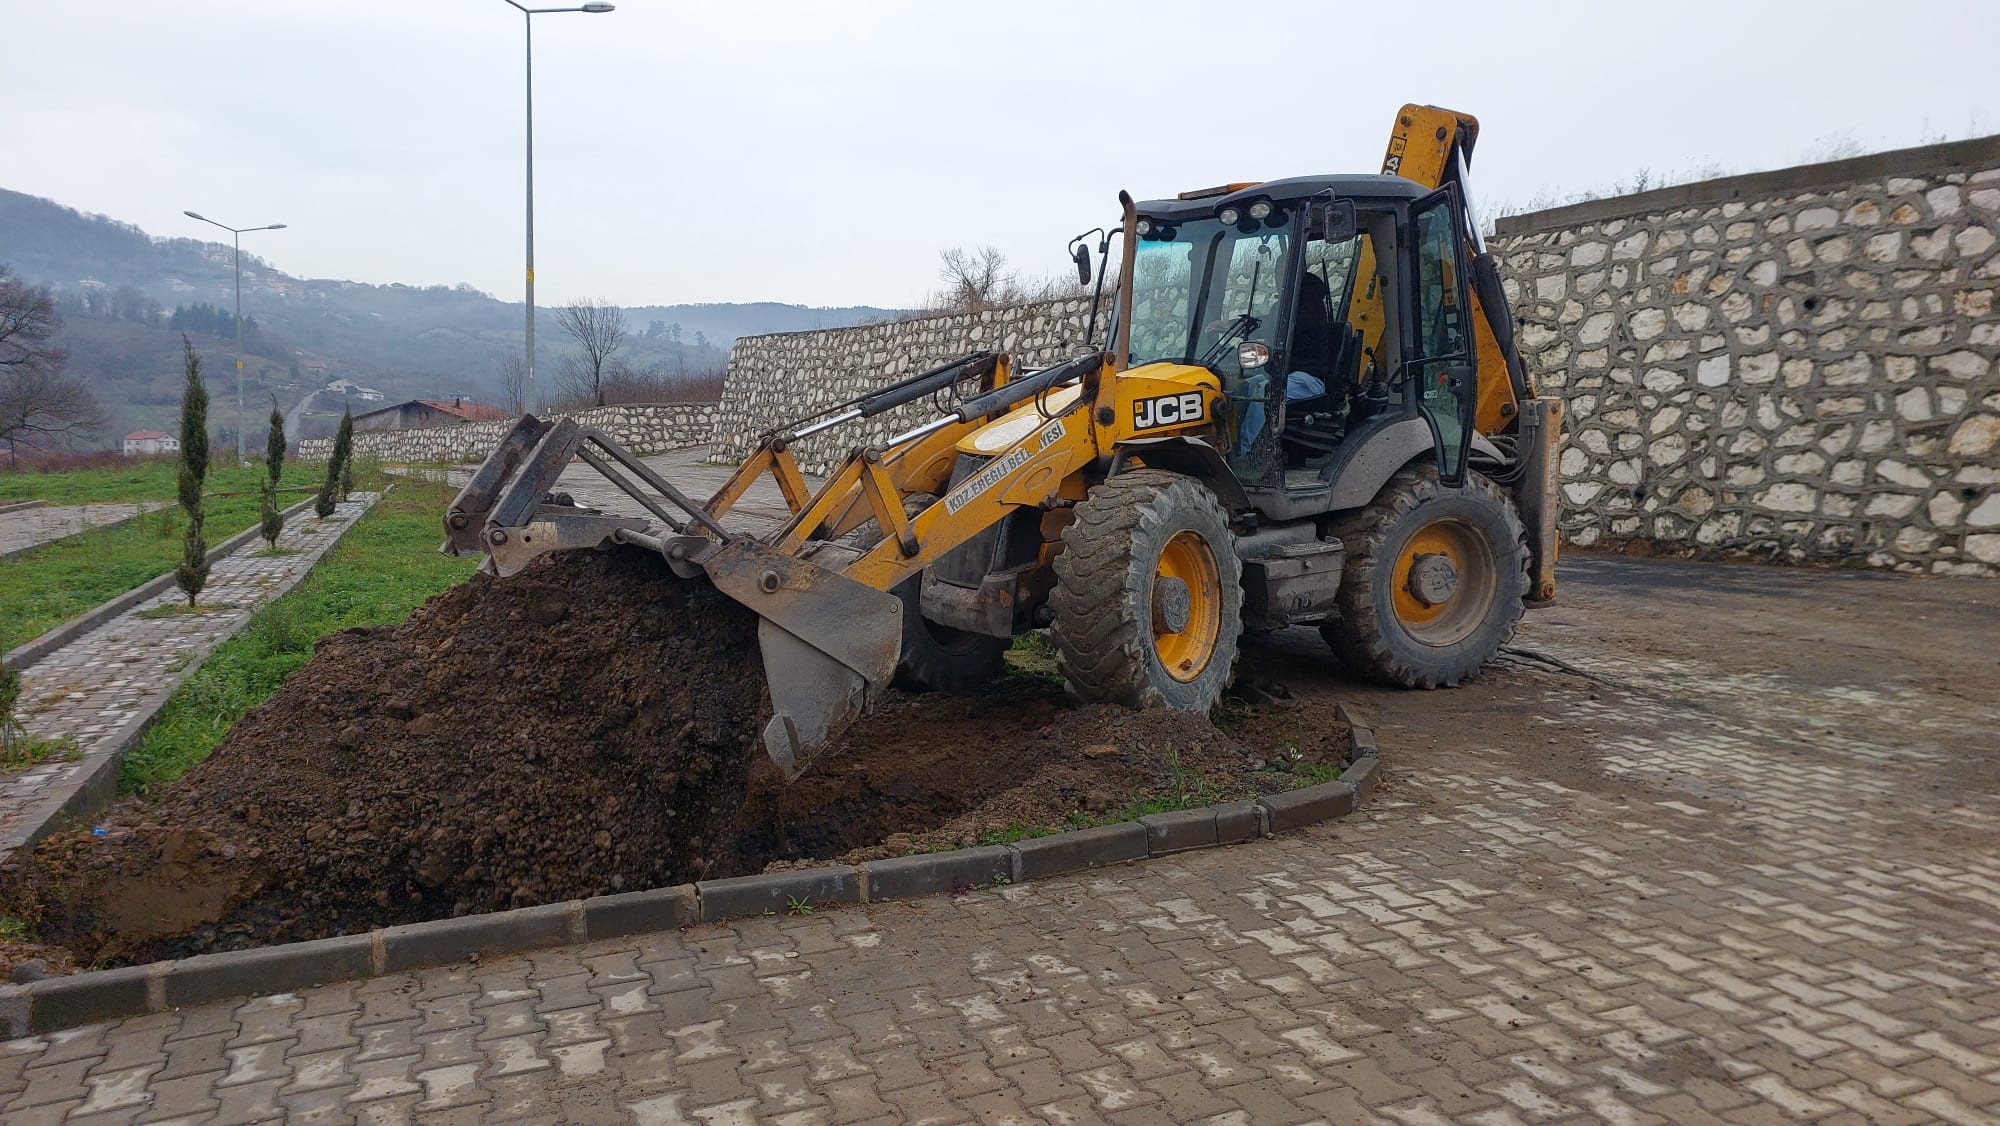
(95,687)
(31,527)
(1716,844)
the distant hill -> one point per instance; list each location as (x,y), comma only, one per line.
(117,288)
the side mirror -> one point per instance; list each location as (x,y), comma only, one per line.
(1082,264)
(1338,220)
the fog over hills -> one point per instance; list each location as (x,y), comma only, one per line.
(118,289)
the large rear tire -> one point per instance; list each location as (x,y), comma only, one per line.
(1433,583)
(935,658)
(1149,594)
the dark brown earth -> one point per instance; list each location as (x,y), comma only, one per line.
(586,727)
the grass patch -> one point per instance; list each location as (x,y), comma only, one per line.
(24,751)
(55,582)
(383,569)
(1032,654)
(151,480)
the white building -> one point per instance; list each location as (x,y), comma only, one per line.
(349,387)
(144,443)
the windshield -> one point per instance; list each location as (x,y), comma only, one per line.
(1201,288)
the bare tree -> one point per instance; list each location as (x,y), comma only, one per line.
(38,404)
(974,280)
(513,382)
(598,327)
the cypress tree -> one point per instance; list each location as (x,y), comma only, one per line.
(273,517)
(192,572)
(347,459)
(336,466)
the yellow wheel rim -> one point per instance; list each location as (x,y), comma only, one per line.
(1443,583)
(1187,564)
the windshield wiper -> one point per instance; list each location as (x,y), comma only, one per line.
(1241,327)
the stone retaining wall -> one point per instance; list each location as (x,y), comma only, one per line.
(777,378)
(1798,364)
(645,428)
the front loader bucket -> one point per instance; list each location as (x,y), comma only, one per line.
(830,644)
(465,520)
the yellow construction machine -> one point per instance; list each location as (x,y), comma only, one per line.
(1307,408)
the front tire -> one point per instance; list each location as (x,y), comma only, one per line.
(1149,595)
(1433,583)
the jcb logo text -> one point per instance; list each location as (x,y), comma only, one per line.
(1167,410)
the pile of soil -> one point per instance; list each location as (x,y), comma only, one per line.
(579,729)
(588,726)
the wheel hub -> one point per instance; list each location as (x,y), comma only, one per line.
(1172,604)
(1433,579)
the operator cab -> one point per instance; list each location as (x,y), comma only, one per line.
(1286,290)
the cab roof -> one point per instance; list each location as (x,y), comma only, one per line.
(1289,190)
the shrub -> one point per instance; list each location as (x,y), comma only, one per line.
(192,572)
(271,515)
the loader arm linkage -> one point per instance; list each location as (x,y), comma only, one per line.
(829,630)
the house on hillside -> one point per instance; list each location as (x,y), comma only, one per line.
(424,414)
(146,443)
(345,386)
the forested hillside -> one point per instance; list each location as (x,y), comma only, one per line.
(125,297)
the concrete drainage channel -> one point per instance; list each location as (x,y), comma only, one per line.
(100,995)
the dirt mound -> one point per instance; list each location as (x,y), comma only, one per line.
(922,773)
(589,726)
(579,729)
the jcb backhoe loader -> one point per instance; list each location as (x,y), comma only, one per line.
(1309,409)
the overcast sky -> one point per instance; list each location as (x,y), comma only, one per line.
(823,152)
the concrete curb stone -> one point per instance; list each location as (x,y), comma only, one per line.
(20,505)
(777,892)
(101,995)
(444,941)
(1180,830)
(1293,809)
(906,877)
(1238,821)
(293,966)
(640,912)
(65,1002)
(1079,849)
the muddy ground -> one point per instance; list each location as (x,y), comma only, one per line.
(587,727)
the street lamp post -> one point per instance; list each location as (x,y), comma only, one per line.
(237,233)
(528,19)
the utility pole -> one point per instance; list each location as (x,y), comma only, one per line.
(237,233)
(528,17)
